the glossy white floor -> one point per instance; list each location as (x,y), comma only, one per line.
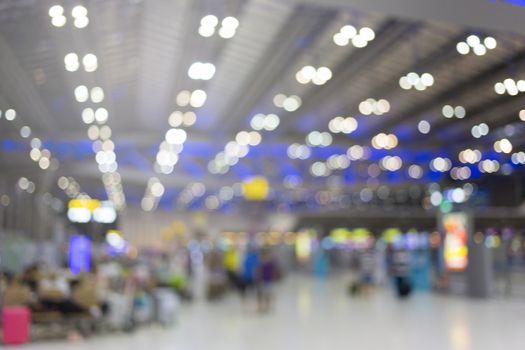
(312,314)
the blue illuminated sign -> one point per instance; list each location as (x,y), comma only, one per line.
(79,254)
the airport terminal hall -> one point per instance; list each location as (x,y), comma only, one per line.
(262,174)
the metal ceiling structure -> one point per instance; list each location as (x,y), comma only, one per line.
(144,49)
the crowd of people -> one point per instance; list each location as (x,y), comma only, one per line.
(113,295)
(121,294)
(253,271)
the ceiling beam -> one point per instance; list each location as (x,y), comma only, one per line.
(486,14)
(21,93)
(484,77)
(306,23)
(387,36)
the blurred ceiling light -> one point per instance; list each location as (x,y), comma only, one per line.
(424,127)
(522,115)
(471,156)
(518,158)
(319,169)
(227,30)
(79,11)
(268,122)
(488,166)
(384,141)
(206,31)
(81,93)
(229,27)
(440,164)
(201,71)
(10,114)
(292,103)
(71,62)
(212,202)
(101,115)
(510,86)
(319,139)
(195,99)
(449,111)
(36,143)
(391,163)
(342,125)
(349,34)
(459,173)
(480,130)
(355,152)
(175,119)
(415,171)
(189,118)
(88,115)
(198,98)
(108,146)
(81,22)
(105,132)
(176,136)
(242,138)
(209,21)
(414,80)
(97,94)
(298,151)
(25,131)
(476,45)
(58,21)
(258,121)
(56,13)
(90,62)
(278,100)
(226,33)
(34,154)
(503,146)
(338,162)
(93,132)
(183,98)
(372,106)
(44,163)
(254,138)
(317,76)
(230,22)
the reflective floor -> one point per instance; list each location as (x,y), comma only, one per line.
(314,314)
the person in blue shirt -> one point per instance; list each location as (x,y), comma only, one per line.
(250,266)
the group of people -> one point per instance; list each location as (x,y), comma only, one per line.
(57,292)
(253,271)
(373,269)
(113,296)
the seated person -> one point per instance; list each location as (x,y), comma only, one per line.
(54,293)
(32,276)
(54,288)
(85,295)
(17,294)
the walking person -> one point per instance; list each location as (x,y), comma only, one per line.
(267,276)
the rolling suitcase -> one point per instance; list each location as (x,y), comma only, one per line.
(404,287)
(16,324)
(166,305)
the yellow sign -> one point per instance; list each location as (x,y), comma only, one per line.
(90,204)
(255,188)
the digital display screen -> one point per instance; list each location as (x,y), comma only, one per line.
(456,238)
